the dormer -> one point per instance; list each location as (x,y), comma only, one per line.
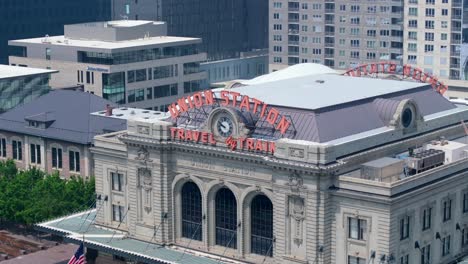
(40,121)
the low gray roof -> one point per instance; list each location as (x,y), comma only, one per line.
(323,90)
(68,113)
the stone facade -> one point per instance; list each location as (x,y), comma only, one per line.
(314,202)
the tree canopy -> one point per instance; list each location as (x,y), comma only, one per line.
(32,196)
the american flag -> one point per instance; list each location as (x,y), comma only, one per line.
(79,257)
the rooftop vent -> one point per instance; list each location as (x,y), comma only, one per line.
(108,110)
(319,81)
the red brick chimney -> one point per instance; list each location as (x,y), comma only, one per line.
(108,110)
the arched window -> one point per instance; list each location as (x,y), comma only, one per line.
(191,211)
(226,218)
(261,211)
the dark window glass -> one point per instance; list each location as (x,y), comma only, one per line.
(88,77)
(226,218)
(191,211)
(261,212)
(3,147)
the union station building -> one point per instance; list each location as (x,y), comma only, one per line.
(322,168)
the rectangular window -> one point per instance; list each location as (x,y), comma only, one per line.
(427,218)
(131,76)
(92,77)
(117,181)
(357,228)
(56,158)
(117,213)
(74,161)
(140,95)
(35,153)
(447,205)
(88,77)
(149,93)
(404,227)
(446,245)
(3,147)
(165,71)
(404,259)
(465,237)
(356,260)
(465,197)
(426,254)
(140,75)
(48,53)
(17,150)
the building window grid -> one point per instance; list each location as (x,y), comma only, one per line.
(35,153)
(465,202)
(17,150)
(357,228)
(447,210)
(226,218)
(261,226)
(3,151)
(427,218)
(191,211)
(464,237)
(56,158)
(404,259)
(446,246)
(404,227)
(117,213)
(117,181)
(426,254)
(74,161)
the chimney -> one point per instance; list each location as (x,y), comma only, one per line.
(108,110)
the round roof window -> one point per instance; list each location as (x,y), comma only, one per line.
(407,117)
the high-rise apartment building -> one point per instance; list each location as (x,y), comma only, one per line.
(433,38)
(227,27)
(32,18)
(339,34)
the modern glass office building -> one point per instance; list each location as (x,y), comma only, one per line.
(19,85)
(32,18)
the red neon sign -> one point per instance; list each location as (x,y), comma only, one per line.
(232,99)
(249,144)
(390,68)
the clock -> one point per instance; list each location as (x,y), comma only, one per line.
(223,123)
(224,126)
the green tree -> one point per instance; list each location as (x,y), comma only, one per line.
(32,196)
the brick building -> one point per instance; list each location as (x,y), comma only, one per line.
(55,131)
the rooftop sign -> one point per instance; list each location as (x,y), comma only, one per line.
(231,99)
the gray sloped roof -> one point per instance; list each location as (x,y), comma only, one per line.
(68,113)
(342,119)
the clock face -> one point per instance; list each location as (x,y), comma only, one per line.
(225,126)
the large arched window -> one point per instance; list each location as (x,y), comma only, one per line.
(191,211)
(226,218)
(261,211)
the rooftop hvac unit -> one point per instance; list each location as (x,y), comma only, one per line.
(425,160)
(384,169)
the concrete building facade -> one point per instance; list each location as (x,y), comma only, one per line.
(245,176)
(338,34)
(132,63)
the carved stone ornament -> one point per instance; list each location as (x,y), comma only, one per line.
(297,214)
(296,182)
(145,180)
(143,155)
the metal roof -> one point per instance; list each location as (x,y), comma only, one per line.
(7,71)
(340,120)
(79,227)
(68,114)
(323,90)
